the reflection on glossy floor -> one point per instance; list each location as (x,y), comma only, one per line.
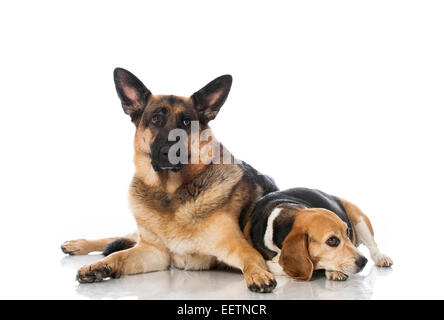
(178,284)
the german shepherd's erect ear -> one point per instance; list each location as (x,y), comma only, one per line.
(132,93)
(210,98)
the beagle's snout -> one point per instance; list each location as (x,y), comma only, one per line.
(361,262)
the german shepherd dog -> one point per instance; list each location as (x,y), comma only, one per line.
(187,214)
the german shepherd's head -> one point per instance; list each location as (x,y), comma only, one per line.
(156,116)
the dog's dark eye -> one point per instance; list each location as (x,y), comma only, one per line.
(333,241)
(186,122)
(156,119)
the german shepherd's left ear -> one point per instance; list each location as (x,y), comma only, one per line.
(132,93)
(210,98)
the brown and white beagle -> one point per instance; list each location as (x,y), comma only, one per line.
(301,230)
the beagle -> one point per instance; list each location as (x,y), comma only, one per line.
(301,230)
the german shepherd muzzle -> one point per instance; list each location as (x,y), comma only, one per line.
(187,214)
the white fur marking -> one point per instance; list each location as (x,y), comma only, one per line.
(365,237)
(268,236)
(274,267)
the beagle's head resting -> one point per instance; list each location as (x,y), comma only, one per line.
(318,240)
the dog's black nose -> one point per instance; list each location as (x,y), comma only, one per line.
(361,262)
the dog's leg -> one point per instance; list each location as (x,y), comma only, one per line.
(144,257)
(364,234)
(84,246)
(225,241)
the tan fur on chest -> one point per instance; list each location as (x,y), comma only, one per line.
(181,218)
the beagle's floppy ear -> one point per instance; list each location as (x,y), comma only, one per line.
(210,98)
(294,259)
(132,93)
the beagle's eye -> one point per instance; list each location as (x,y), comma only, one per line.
(333,241)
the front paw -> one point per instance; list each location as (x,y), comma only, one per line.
(336,275)
(260,280)
(96,272)
(382,260)
(75,247)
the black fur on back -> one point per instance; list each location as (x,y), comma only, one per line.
(311,198)
(265,182)
(118,245)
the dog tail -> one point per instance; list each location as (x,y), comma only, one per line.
(118,245)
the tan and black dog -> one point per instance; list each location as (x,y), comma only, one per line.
(186,214)
(301,230)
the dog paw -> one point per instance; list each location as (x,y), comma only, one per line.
(382,260)
(260,281)
(75,247)
(95,272)
(336,275)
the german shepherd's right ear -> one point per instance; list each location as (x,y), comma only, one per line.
(132,93)
(210,98)
(295,259)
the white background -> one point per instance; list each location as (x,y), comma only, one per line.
(343,96)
